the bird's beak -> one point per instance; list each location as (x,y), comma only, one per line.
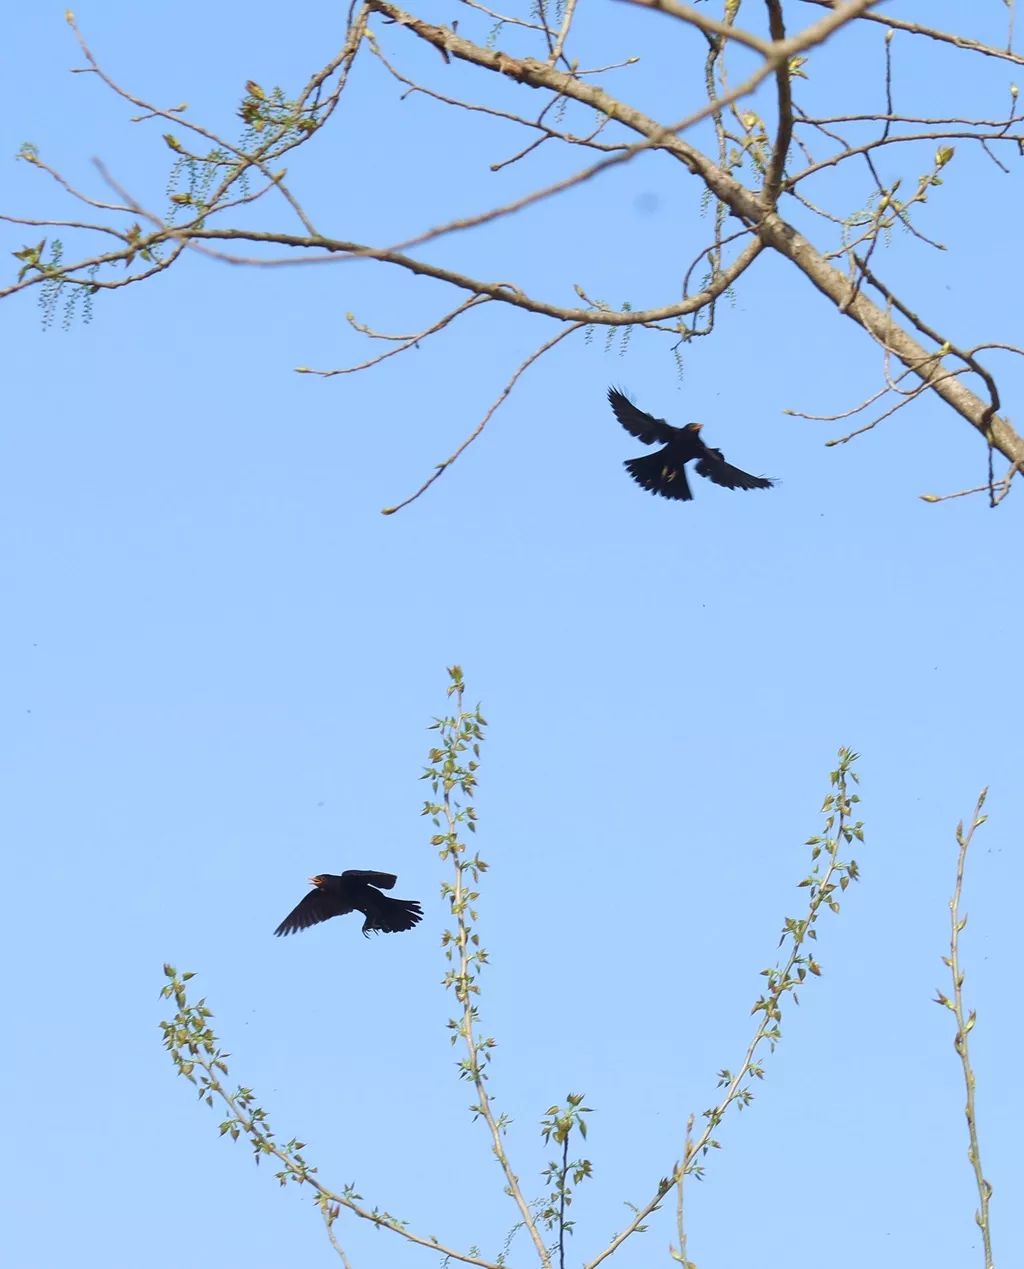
(313,881)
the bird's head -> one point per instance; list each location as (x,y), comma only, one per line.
(694,427)
(315,881)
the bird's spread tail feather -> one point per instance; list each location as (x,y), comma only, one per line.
(391,916)
(660,474)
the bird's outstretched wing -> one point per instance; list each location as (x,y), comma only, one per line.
(645,427)
(384,880)
(319,905)
(716,469)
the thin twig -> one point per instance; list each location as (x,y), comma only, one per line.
(932,120)
(404,342)
(326,1212)
(1011,348)
(563,34)
(784,130)
(65,224)
(965,354)
(680,1253)
(996,493)
(943,37)
(479,108)
(520,370)
(503,18)
(709,25)
(851,151)
(911,395)
(844,414)
(965,1024)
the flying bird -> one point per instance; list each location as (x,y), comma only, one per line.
(356,890)
(663,472)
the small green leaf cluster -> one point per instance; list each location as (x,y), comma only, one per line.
(55,284)
(275,114)
(886,209)
(562,1174)
(31,258)
(754,144)
(141,244)
(273,124)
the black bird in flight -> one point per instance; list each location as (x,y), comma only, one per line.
(663,472)
(355,890)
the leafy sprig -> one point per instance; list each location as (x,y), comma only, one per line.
(452,772)
(827,879)
(558,1126)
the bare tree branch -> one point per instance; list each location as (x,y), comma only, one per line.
(945,369)
(772,230)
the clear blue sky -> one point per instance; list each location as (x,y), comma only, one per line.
(220,660)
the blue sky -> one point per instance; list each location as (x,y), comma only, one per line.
(221,661)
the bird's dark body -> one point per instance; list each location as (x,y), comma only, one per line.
(355,890)
(664,471)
